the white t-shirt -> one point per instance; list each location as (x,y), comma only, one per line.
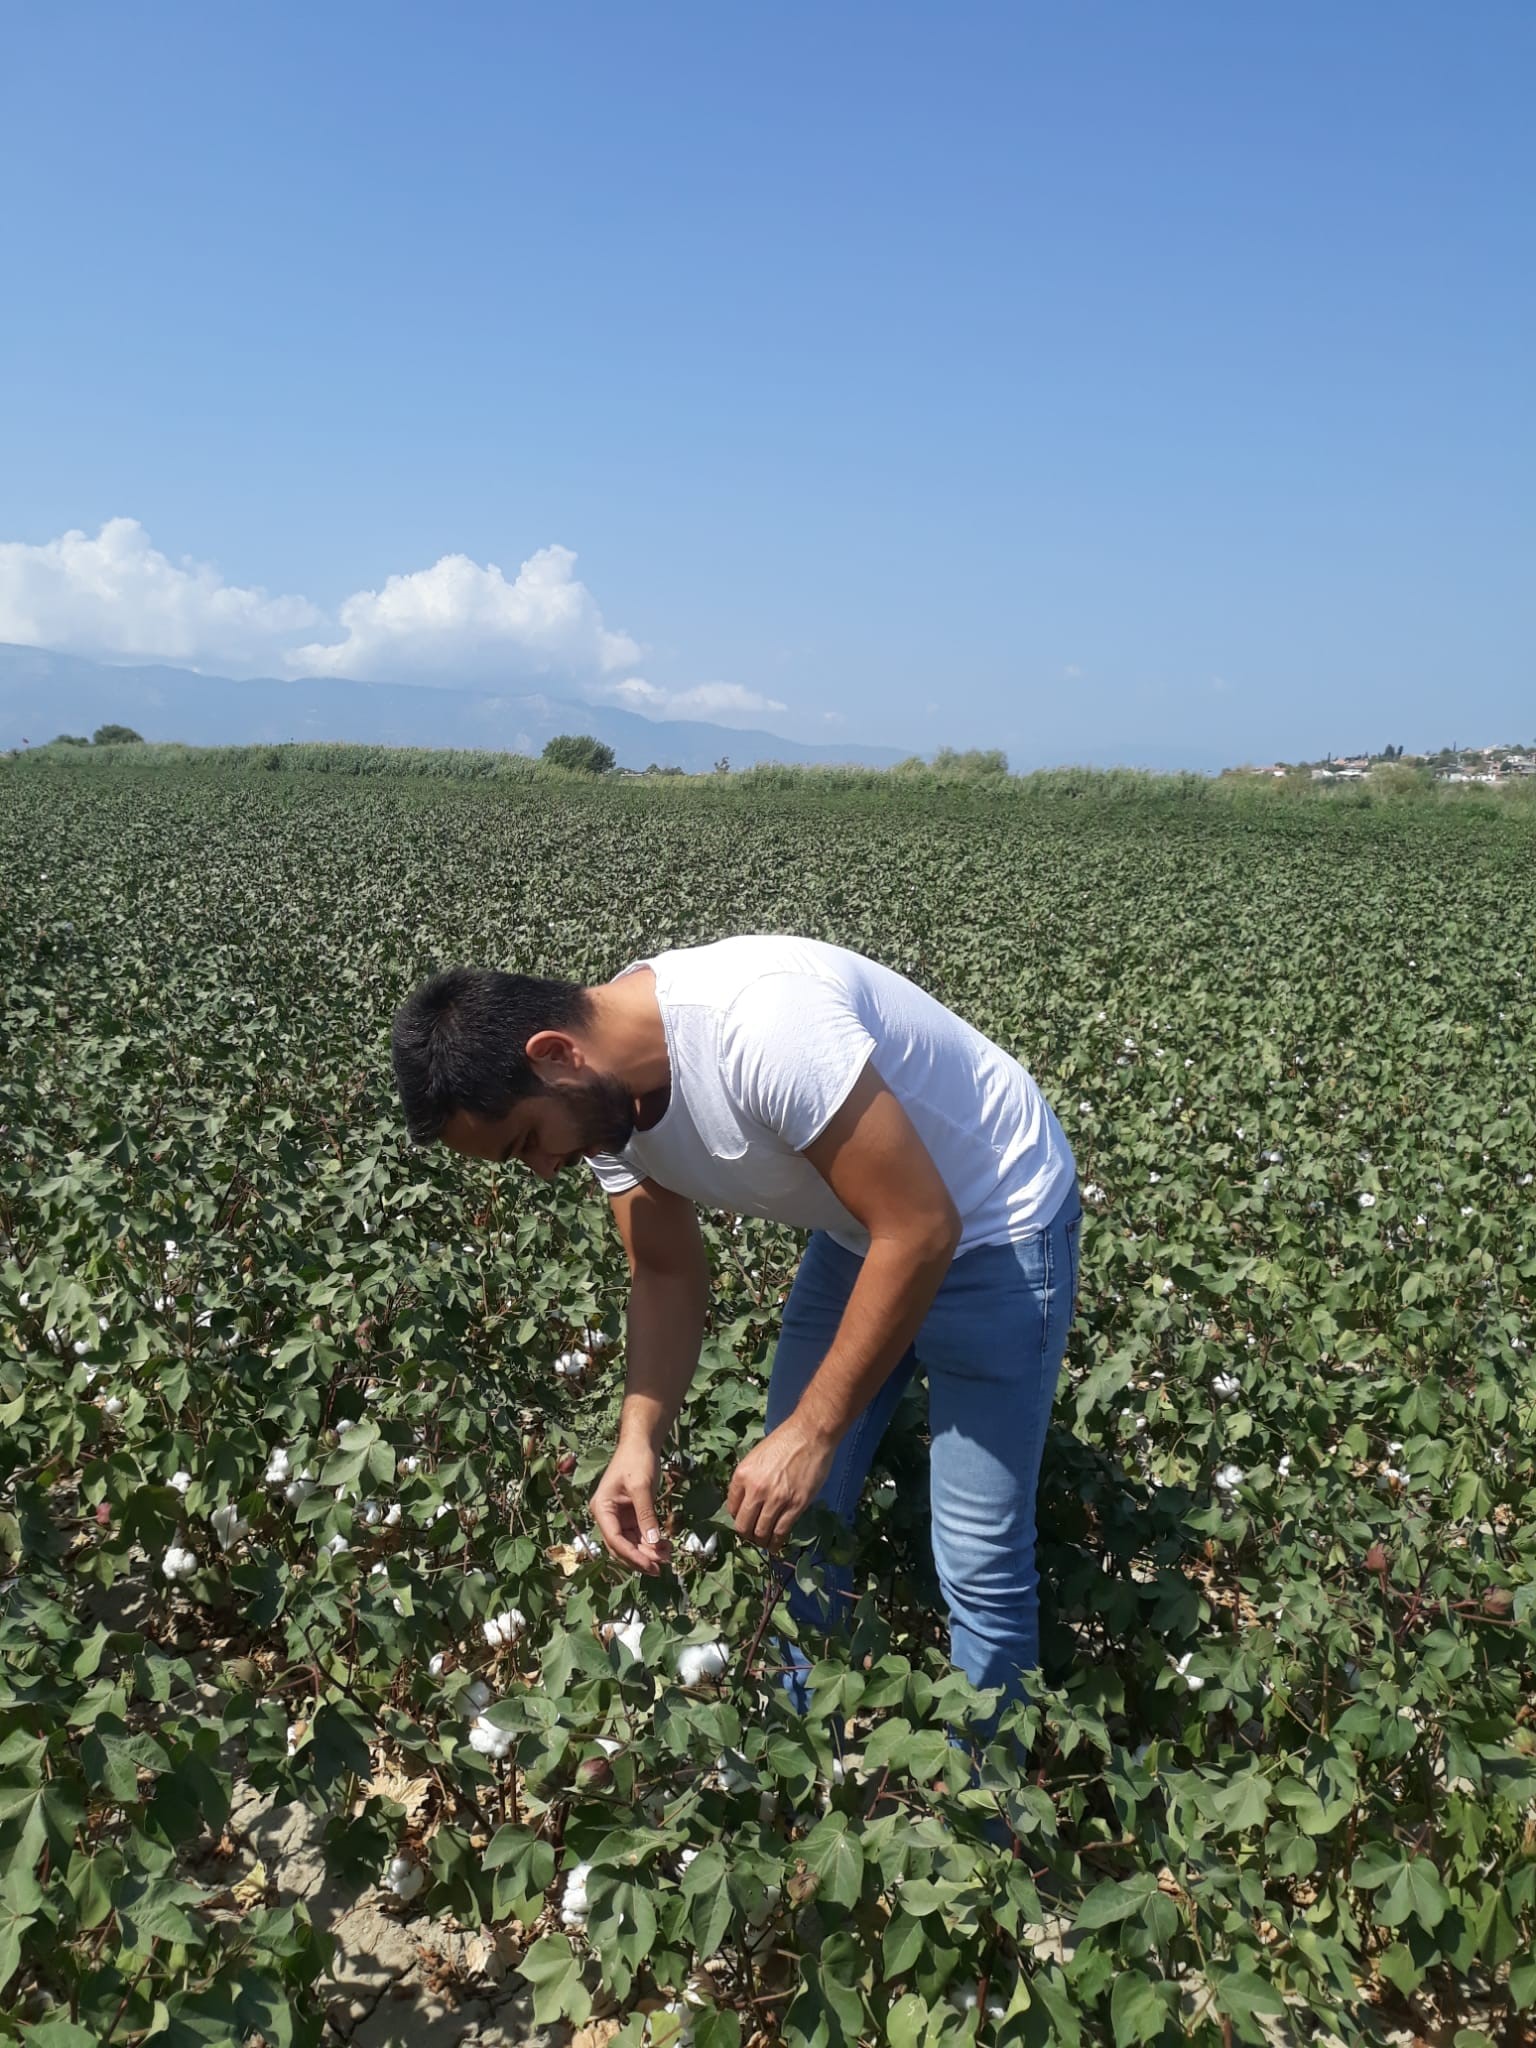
(767,1035)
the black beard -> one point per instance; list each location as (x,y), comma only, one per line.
(604,1113)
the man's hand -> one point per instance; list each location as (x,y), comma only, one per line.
(624,1509)
(774,1484)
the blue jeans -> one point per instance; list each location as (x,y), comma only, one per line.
(991,1346)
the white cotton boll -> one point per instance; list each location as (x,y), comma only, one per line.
(1468,1210)
(228,1526)
(1229,1478)
(178,1563)
(572,1364)
(701,1546)
(1085,1109)
(489,1740)
(92,1373)
(81,1347)
(1093,1192)
(1284,1466)
(347,1422)
(627,1630)
(392,1515)
(437,1665)
(587,1546)
(278,1468)
(180,1481)
(371,1513)
(573,1901)
(112,1405)
(504,1628)
(1367,1201)
(298,1490)
(598,1340)
(404,1878)
(698,1661)
(1226,1386)
(337,1544)
(409,1464)
(1191,1678)
(170,1247)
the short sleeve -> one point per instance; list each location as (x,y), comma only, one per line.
(613,1176)
(793,1047)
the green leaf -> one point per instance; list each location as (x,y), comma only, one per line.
(1115,1899)
(836,1858)
(907,2021)
(553,1968)
(1137,2008)
(1416,1893)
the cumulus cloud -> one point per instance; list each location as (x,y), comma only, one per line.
(702,700)
(459,621)
(117,597)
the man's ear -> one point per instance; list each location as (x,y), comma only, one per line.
(554,1049)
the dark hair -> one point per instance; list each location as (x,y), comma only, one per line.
(458,1042)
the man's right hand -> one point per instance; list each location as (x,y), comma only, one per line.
(624,1509)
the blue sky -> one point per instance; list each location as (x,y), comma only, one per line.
(1101,382)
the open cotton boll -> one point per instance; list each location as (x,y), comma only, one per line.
(112,1405)
(1226,1386)
(404,1878)
(1229,1478)
(298,1490)
(627,1630)
(490,1740)
(392,1515)
(337,1544)
(572,1364)
(573,1901)
(598,1340)
(587,1546)
(504,1628)
(228,1526)
(178,1563)
(278,1468)
(698,1661)
(701,1546)
(180,1481)
(371,1513)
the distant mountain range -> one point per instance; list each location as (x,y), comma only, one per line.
(43,694)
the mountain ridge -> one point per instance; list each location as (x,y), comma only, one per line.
(43,693)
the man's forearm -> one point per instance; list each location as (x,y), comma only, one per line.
(893,1293)
(665,1328)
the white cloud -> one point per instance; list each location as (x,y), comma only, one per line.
(703,700)
(457,622)
(118,597)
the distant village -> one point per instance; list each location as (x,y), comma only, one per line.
(1495,766)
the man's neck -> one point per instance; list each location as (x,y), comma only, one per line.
(628,1039)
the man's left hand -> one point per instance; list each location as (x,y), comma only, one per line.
(775,1483)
